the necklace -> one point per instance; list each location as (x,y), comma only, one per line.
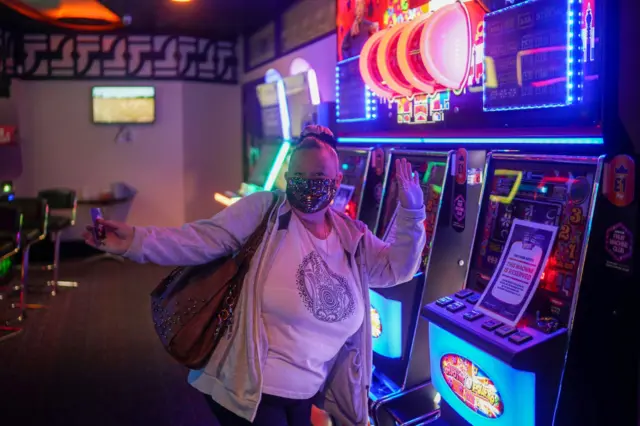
(327,231)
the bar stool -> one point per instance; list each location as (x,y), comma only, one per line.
(10,227)
(35,214)
(59,199)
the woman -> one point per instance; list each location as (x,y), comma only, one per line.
(303,333)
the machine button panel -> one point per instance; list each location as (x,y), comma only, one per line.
(473,299)
(491,324)
(505,330)
(444,301)
(463,294)
(455,307)
(520,338)
(472,315)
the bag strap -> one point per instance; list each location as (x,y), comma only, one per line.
(250,247)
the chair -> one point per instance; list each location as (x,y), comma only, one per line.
(59,199)
(35,214)
(10,228)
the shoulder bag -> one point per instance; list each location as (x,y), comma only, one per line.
(193,307)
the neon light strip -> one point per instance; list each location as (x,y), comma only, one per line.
(277,165)
(475,141)
(516,186)
(314,91)
(223,199)
(285,120)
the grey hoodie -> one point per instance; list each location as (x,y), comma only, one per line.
(233,376)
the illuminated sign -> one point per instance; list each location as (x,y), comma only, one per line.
(376,324)
(472,386)
(434,52)
(388,343)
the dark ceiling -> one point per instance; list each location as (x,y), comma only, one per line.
(223,19)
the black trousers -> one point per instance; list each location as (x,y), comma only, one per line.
(272,411)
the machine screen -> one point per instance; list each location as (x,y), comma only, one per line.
(299,102)
(268,153)
(431,171)
(556,194)
(353,165)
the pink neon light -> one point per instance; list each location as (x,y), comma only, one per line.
(447,42)
(556,80)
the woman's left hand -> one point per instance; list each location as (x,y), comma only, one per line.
(409,191)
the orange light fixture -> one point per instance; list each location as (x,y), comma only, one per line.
(90,10)
(369,67)
(387,60)
(92,14)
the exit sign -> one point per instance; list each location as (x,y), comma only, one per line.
(7,134)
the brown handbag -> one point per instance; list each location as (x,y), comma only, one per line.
(193,306)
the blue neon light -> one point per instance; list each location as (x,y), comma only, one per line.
(516,387)
(475,141)
(370,111)
(389,342)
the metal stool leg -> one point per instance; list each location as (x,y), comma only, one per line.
(23,283)
(55,283)
(55,267)
(7,330)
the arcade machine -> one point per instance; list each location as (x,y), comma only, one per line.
(518,342)
(275,120)
(303,104)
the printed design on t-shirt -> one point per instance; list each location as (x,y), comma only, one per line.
(324,293)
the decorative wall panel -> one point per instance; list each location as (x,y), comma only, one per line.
(108,56)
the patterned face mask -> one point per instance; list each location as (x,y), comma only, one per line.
(310,195)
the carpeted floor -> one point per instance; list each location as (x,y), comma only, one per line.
(91,358)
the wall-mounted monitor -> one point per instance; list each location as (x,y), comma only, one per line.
(123,105)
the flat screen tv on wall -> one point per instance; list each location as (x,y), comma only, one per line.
(123,105)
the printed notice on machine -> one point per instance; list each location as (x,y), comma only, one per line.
(518,273)
(342,198)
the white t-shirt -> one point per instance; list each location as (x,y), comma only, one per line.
(311,306)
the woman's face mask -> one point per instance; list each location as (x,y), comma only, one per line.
(310,195)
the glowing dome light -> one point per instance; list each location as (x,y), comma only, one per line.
(447,43)
(387,59)
(409,56)
(272,75)
(369,67)
(298,65)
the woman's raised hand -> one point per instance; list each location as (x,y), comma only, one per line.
(409,190)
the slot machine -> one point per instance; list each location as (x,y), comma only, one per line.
(520,80)
(379,108)
(542,305)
